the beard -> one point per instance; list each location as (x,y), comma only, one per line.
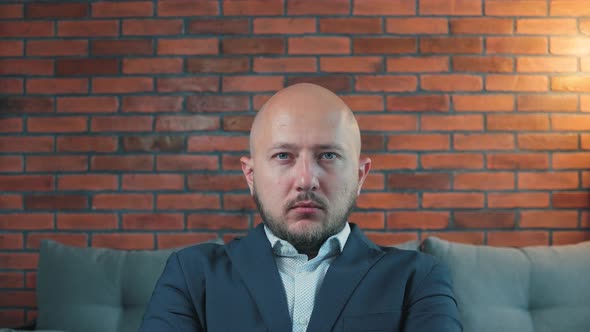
(311,239)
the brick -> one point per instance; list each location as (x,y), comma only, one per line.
(253,46)
(387,122)
(546,64)
(11,241)
(452,7)
(372,142)
(206,104)
(26,183)
(362,64)
(171,240)
(21,298)
(11,47)
(122,84)
(187,123)
(57,10)
(469,142)
(389,161)
(26,144)
(417,220)
(188,46)
(521,83)
(216,222)
(585,64)
(123,241)
(151,104)
(536,26)
(22,105)
(518,200)
(399,83)
(56,163)
(86,144)
(122,9)
(451,82)
(484,219)
(571,160)
(27,221)
(374,182)
(259,100)
(153,143)
(216,182)
(568,8)
(518,238)
(518,161)
(311,7)
(252,7)
(452,161)
(19,261)
(11,86)
(218,65)
(570,83)
(360,103)
(11,125)
(319,45)
(418,142)
(286,64)
(355,25)
(11,11)
(217,143)
(184,162)
(484,181)
(516,8)
(57,47)
(190,84)
(452,200)
(88,28)
(548,181)
(11,164)
(57,85)
(517,122)
(56,202)
(187,8)
(153,66)
(122,47)
(368,220)
(571,199)
(26,29)
(428,103)
(419,181)
(187,201)
(573,237)
(548,142)
(251,83)
(516,45)
(334,83)
(451,122)
(121,123)
(152,182)
(153,222)
(86,221)
(548,219)
(547,103)
(420,65)
(27,67)
(488,64)
(384,7)
(88,182)
(219,26)
(77,240)
(152,27)
(12,280)
(122,201)
(585,141)
(452,45)
(483,103)
(569,45)
(481,26)
(237,123)
(382,45)
(569,122)
(122,163)
(417,25)
(387,201)
(289,25)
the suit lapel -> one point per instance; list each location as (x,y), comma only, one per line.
(343,276)
(253,259)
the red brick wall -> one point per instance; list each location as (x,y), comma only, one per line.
(121,123)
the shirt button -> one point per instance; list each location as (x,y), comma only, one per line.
(302,321)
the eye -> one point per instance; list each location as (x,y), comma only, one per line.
(328,155)
(282,156)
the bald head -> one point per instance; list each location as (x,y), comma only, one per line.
(303,105)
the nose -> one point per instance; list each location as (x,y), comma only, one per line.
(307,174)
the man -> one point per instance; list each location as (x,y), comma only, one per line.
(305,268)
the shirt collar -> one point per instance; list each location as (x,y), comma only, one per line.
(335,242)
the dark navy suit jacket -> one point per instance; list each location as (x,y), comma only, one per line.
(237,288)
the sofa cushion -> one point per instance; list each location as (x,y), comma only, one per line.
(518,289)
(95,289)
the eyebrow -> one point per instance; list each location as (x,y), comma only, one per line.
(289,146)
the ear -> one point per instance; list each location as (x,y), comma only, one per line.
(363,171)
(248,170)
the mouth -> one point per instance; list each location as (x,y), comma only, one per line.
(306,207)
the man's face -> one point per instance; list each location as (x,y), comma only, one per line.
(306,175)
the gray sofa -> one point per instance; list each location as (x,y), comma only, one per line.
(534,289)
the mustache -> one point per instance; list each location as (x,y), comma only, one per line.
(307,196)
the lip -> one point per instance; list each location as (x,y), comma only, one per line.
(306,205)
